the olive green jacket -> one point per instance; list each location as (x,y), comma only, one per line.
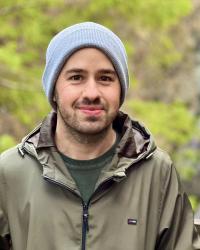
(138,203)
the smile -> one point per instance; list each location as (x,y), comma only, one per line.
(91,110)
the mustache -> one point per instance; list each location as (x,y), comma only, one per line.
(94,104)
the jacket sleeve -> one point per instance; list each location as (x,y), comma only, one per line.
(4,229)
(176,227)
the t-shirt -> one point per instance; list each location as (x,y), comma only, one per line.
(86,172)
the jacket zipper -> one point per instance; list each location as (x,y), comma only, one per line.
(85,224)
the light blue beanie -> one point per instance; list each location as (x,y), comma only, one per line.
(84,35)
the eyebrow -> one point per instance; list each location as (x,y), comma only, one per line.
(74,70)
(108,71)
(102,71)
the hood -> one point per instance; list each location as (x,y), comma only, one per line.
(136,141)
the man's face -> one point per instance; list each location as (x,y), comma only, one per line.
(87,92)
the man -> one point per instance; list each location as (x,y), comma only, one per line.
(89,177)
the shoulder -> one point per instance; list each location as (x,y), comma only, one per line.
(12,163)
(9,156)
(161,165)
(167,170)
(162,157)
(9,160)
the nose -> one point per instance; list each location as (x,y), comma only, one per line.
(91,90)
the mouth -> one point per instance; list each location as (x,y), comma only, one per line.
(91,110)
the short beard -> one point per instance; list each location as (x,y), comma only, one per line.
(84,137)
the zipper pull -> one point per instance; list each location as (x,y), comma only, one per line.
(85,217)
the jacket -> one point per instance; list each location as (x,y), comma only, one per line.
(138,202)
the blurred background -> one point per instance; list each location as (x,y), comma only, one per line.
(162,38)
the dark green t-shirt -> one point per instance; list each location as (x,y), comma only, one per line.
(86,172)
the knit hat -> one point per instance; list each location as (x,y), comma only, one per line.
(84,35)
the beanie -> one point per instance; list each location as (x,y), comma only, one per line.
(78,36)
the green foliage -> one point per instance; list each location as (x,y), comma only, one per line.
(187,172)
(165,54)
(9,51)
(6,141)
(194,202)
(155,14)
(171,14)
(172,124)
(187,161)
(152,14)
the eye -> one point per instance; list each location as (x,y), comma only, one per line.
(105,78)
(75,77)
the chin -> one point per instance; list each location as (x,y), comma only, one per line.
(92,129)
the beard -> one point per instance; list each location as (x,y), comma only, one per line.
(86,129)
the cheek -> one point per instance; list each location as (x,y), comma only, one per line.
(67,95)
(113,96)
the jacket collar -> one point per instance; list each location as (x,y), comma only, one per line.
(135,139)
(47,131)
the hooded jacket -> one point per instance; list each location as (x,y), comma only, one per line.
(138,202)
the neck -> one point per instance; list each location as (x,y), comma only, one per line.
(81,146)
